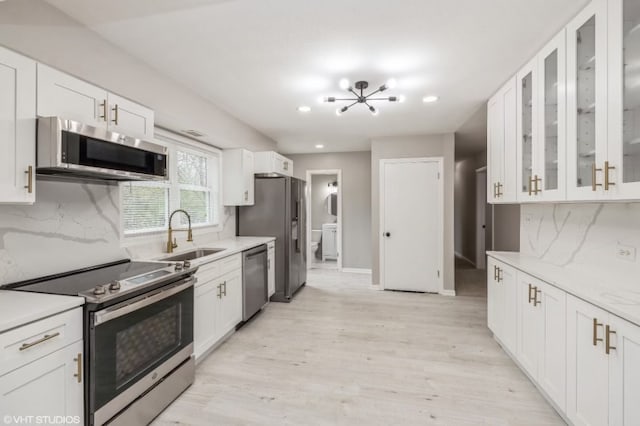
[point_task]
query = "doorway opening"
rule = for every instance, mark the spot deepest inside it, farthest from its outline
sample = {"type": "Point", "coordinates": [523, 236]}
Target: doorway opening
{"type": "Point", "coordinates": [324, 219]}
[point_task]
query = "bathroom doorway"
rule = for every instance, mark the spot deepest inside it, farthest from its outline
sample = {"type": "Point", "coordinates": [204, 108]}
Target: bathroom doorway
{"type": "Point", "coordinates": [324, 219]}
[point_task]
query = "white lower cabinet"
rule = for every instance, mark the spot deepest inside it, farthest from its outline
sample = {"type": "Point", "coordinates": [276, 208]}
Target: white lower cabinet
{"type": "Point", "coordinates": [583, 358]}
{"type": "Point", "coordinates": [624, 372]}
{"type": "Point", "coordinates": [501, 314]}
{"type": "Point", "coordinates": [218, 302]}
{"type": "Point", "coordinates": [49, 386]}
{"type": "Point", "coordinates": [271, 268]}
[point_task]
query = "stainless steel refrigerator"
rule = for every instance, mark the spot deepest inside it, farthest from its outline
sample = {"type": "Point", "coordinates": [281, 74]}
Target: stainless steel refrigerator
{"type": "Point", "coordinates": [279, 211]}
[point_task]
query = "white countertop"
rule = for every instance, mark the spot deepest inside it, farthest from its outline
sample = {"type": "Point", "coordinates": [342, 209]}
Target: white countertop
{"type": "Point", "coordinates": [18, 308]}
{"type": "Point", "coordinates": [230, 245]}
{"type": "Point", "coordinates": [620, 296]}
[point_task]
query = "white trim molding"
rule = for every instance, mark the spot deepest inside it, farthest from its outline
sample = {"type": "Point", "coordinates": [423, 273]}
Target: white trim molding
{"type": "Point", "coordinates": [356, 270]}
{"type": "Point", "coordinates": [448, 293]}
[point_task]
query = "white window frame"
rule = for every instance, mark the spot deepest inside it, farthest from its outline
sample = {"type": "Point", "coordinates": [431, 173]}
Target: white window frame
{"type": "Point", "coordinates": [174, 143]}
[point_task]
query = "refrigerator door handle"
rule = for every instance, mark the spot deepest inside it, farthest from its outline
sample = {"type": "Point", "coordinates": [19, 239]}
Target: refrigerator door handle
{"type": "Point", "coordinates": [298, 226]}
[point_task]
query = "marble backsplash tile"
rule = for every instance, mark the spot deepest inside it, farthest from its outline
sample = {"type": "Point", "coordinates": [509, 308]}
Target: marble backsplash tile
{"type": "Point", "coordinates": [75, 225]}
{"type": "Point", "coordinates": [587, 236]}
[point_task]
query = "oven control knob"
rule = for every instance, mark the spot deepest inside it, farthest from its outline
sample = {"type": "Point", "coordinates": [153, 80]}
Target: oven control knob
{"type": "Point", "coordinates": [100, 290]}
{"type": "Point", "coordinates": [178, 266]}
{"type": "Point", "coordinates": [187, 264]}
{"type": "Point", "coordinates": [114, 286]}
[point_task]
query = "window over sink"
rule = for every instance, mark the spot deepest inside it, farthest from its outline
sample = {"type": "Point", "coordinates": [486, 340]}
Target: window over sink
{"type": "Point", "coordinates": [194, 186]}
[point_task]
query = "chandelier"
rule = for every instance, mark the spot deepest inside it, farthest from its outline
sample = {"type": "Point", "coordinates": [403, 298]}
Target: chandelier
{"type": "Point", "coordinates": [361, 98]}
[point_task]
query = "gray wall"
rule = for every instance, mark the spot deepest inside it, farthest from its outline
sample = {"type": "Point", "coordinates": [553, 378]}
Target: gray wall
{"type": "Point", "coordinates": [356, 200]}
{"type": "Point", "coordinates": [465, 205]}
{"type": "Point", "coordinates": [319, 203]}
{"type": "Point", "coordinates": [407, 147]}
{"type": "Point", "coordinates": [39, 30]}
{"type": "Point", "coordinates": [506, 227]}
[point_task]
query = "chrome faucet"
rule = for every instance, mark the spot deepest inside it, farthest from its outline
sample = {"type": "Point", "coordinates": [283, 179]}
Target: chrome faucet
{"type": "Point", "coordinates": [173, 244]}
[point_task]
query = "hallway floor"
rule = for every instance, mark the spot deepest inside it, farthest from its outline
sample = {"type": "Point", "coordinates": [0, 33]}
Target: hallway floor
{"type": "Point", "coordinates": [344, 354]}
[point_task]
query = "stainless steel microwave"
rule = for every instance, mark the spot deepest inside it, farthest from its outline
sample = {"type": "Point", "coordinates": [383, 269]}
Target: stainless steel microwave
{"type": "Point", "coordinates": [71, 149]}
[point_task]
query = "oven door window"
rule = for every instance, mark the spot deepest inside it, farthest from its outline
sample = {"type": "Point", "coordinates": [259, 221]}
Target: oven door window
{"type": "Point", "coordinates": [85, 151]}
{"type": "Point", "coordinates": [129, 347]}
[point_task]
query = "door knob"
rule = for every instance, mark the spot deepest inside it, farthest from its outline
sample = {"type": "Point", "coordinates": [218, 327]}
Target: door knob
{"type": "Point", "coordinates": [387, 234]}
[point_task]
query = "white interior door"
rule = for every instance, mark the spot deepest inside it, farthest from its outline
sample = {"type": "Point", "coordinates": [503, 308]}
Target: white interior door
{"type": "Point", "coordinates": [411, 224]}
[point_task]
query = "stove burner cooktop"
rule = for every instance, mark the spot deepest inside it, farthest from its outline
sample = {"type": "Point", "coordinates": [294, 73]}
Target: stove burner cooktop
{"type": "Point", "coordinates": [104, 282]}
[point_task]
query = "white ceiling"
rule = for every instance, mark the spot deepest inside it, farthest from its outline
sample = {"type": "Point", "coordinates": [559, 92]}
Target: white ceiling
{"type": "Point", "coordinates": [261, 59]}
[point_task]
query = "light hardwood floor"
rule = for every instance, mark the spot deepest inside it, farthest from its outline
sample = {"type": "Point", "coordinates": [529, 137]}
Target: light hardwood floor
{"type": "Point", "coordinates": [343, 354]}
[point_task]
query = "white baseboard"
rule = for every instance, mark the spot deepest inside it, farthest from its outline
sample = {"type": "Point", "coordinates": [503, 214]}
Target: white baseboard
{"type": "Point", "coordinates": [356, 270]}
{"type": "Point", "coordinates": [451, 293]}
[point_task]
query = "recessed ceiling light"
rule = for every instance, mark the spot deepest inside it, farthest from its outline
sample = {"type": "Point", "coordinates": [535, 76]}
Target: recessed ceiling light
{"type": "Point", "coordinates": [429, 99]}
{"type": "Point", "coordinates": [319, 146]}
{"type": "Point", "coordinates": [304, 108]}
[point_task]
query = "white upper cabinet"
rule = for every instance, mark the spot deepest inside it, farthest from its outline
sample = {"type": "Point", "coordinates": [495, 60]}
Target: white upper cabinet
{"type": "Point", "coordinates": [130, 118]}
{"type": "Point", "coordinates": [65, 96]}
{"type": "Point", "coordinates": [62, 95]}
{"type": "Point", "coordinates": [541, 129]}
{"type": "Point", "coordinates": [527, 131]}
{"type": "Point", "coordinates": [501, 145]}
{"type": "Point", "coordinates": [237, 179]}
{"type": "Point", "coordinates": [623, 149]}
{"type": "Point", "coordinates": [17, 128]}
{"type": "Point", "coordinates": [587, 103]}
{"type": "Point", "coordinates": [271, 162]}
{"type": "Point", "coordinates": [551, 149]}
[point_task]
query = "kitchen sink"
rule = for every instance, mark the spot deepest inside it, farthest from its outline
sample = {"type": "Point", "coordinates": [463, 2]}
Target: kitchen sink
{"type": "Point", "coordinates": [194, 254]}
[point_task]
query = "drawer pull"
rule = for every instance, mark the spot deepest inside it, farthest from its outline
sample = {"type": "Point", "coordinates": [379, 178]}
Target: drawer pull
{"type": "Point", "coordinates": [596, 339]}
{"type": "Point", "coordinates": [37, 342]}
{"type": "Point", "coordinates": [78, 373]}
{"type": "Point", "coordinates": [219, 294]}
{"type": "Point", "coordinates": [531, 298]}
{"type": "Point", "coordinates": [537, 302]}
{"type": "Point", "coordinates": [607, 343]}
{"type": "Point", "coordinates": [224, 286]}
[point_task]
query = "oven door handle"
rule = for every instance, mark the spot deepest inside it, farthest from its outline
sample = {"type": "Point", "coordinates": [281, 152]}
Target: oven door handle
{"type": "Point", "coordinates": [117, 311]}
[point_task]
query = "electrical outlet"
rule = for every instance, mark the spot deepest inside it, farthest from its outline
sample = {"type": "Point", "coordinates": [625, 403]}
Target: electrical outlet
{"type": "Point", "coordinates": [627, 253]}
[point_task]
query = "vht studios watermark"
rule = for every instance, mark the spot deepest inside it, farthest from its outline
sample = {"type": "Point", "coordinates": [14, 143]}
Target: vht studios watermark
{"type": "Point", "coordinates": [41, 420]}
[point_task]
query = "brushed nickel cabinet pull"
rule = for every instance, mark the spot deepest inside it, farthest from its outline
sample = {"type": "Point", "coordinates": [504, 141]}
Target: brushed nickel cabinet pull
{"type": "Point", "coordinates": [115, 115]}
{"type": "Point", "coordinates": [530, 297]}
{"type": "Point", "coordinates": [78, 373]}
{"type": "Point", "coordinates": [29, 185]}
{"type": "Point", "coordinates": [103, 105]}
{"type": "Point", "coordinates": [37, 342]}
{"type": "Point", "coordinates": [607, 178]}
{"type": "Point", "coordinates": [596, 339]}
{"type": "Point", "coordinates": [607, 344]}
{"type": "Point", "coordinates": [500, 194]}
{"type": "Point", "coordinates": [224, 286]}
{"type": "Point", "coordinates": [594, 184]}
{"type": "Point", "coordinates": [500, 275]}
{"type": "Point", "coordinates": [495, 190]}
{"type": "Point", "coordinates": [219, 294]}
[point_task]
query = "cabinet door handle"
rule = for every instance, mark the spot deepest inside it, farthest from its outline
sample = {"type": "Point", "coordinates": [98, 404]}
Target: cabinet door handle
{"type": "Point", "coordinates": [596, 339]}
{"type": "Point", "coordinates": [537, 302]}
{"type": "Point", "coordinates": [530, 297]}
{"type": "Point", "coordinates": [29, 185]}
{"type": "Point", "coordinates": [224, 288]}
{"type": "Point", "coordinates": [37, 342]}
{"type": "Point", "coordinates": [246, 195]}
{"type": "Point", "coordinates": [103, 105]}
{"type": "Point", "coordinates": [78, 373]}
{"type": "Point", "coordinates": [219, 294]}
{"type": "Point", "coordinates": [607, 178]}
{"type": "Point", "coordinates": [594, 184]}
{"type": "Point", "coordinates": [537, 180]}
{"type": "Point", "coordinates": [115, 115]}
{"type": "Point", "coordinates": [607, 344]}
{"type": "Point", "coordinates": [500, 194]}
{"type": "Point", "coordinates": [495, 191]}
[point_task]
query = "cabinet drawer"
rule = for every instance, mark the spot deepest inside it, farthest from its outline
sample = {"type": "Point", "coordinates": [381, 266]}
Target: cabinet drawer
{"type": "Point", "coordinates": [207, 273]}
{"type": "Point", "coordinates": [230, 264]}
{"type": "Point", "coordinates": [33, 341]}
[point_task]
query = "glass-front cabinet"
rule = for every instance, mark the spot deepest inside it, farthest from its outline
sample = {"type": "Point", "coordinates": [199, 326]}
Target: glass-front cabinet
{"type": "Point", "coordinates": [622, 170]}
{"type": "Point", "coordinates": [551, 154]}
{"type": "Point", "coordinates": [541, 129]}
{"type": "Point", "coordinates": [527, 132]}
{"type": "Point", "coordinates": [587, 102]}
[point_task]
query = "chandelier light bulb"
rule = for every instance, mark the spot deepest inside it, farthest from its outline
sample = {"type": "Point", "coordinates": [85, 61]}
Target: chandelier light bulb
{"type": "Point", "coordinates": [344, 84]}
{"type": "Point", "coordinates": [429, 99]}
{"type": "Point", "coordinates": [339, 112]}
{"type": "Point", "coordinates": [402, 98]}
{"type": "Point", "coordinates": [373, 110]}
{"type": "Point", "coordinates": [391, 83]}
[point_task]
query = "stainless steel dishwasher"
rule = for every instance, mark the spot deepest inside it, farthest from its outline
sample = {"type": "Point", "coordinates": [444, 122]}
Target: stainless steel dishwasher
{"type": "Point", "coordinates": [254, 281]}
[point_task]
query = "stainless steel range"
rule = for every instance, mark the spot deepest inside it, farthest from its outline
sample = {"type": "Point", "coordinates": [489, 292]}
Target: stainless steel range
{"type": "Point", "coordinates": [138, 336]}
